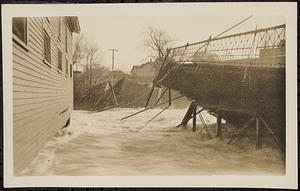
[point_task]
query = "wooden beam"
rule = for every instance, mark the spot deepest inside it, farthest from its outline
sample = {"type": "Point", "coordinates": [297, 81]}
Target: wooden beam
{"type": "Point", "coordinates": [176, 98]}
{"type": "Point", "coordinates": [222, 108]}
{"type": "Point", "coordinates": [114, 95]}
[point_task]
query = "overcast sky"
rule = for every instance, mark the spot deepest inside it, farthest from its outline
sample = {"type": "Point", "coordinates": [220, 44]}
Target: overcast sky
{"type": "Point", "coordinates": [126, 33]}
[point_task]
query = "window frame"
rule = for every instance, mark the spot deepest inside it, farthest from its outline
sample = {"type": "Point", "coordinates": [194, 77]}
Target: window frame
{"type": "Point", "coordinates": [71, 70]}
{"type": "Point", "coordinates": [66, 35]}
{"type": "Point", "coordinates": [60, 70]}
{"type": "Point", "coordinates": [15, 38]}
{"type": "Point", "coordinates": [67, 69]}
{"type": "Point", "coordinates": [59, 29]}
{"type": "Point", "coordinates": [44, 59]}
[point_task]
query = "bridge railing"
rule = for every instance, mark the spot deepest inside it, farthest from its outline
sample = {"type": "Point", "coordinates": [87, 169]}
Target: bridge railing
{"type": "Point", "coordinates": [266, 43]}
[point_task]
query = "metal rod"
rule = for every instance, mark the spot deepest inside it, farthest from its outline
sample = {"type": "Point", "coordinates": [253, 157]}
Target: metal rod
{"type": "Point", "coordinates": [151, 107]}
{"type": "Point", "coordinates": [210, 39]}
{"type": "Point", "coordinates": [104, 109]}
{"type": "Point", "coordinates": [242, 129]}
{"type": "Point", "coordinates": [233, 35]}
{"type": "Point", "coordinates": [157, 114]}
{"type": "Point", "coordinates": [271, 131]}
{"type": "Point", "coordinates": [154, 82]}
{"type": "Point", "coordinates": [204, 125]}
{"type": "Point", "coordinates": [184, 120]}
{"type": "Point", "coordinates": [160, 96]}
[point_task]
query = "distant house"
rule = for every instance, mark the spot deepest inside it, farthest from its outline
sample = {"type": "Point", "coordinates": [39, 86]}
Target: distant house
{"type": "Point", "coordinates": [205, 56]}
{"type": "Point", "coordinates": [42, 82]}
{"type": "Point", "coordinates": [146, 72]}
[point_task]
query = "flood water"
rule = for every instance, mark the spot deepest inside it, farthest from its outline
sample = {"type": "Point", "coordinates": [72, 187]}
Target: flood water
{"type": "Point", "coordinates": [102, 144]}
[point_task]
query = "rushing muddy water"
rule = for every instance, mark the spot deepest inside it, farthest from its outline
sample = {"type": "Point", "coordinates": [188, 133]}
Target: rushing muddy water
{"type": "Point", "coordinates": [102, 144]}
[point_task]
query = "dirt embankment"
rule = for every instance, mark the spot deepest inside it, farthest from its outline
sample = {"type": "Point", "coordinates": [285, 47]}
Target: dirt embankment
{"type": "Point", "coordinates": [128, 93]}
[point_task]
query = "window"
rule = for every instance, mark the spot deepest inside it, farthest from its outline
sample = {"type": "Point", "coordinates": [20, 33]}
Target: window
{"type": "Point", "coordinates": [67, 67]}
{"type": "Point", "coordinates": [71, 71]}
{"type": "Point", "coordinates": [19, 25]}
{"type": "Point", "coordinates": [59, 27]}
{"type": "Point", "coordinates": [47, 48]}
{"type": "Point", "coordinates": [59, 59]}
{"type": "Point", "coordinates": [66, 37]}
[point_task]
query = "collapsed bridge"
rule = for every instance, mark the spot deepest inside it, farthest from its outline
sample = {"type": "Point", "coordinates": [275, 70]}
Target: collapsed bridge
{"type": "Point", "coordinates": [239, 77]}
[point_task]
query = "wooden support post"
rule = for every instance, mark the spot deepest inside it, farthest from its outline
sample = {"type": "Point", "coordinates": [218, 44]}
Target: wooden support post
{"type": "Point", "coordinates": [194, 118]}
{"type": "Point", "coordinates": [170, 97]}
{"type": "Point", "coordinates": [219, 125]}
{"type": "Point", "coordinates": [113, 93]}
{"type": "Point", "coordinates": [258, 134]}
{"type": "Point", "coordinates": [188, 115]}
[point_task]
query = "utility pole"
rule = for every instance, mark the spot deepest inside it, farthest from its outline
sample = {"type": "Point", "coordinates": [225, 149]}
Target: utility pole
{"type": "Point", "coordinates": [113, 63]}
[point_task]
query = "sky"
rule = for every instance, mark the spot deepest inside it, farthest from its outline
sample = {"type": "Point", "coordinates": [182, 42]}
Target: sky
{"type": "Point", "coordinates": [127, 33]}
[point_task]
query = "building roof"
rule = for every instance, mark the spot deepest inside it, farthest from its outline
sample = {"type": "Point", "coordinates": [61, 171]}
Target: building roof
{"type": "Point", "coordinates": [74, 24]}
{"type": "Point", "coordinates": [142, 65]}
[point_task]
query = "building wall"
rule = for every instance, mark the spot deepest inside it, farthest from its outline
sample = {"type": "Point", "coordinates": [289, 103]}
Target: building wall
{"type": "Point", "coordinates": [42, 94]}
{"type": "Point", "coordinates": [146, 70]}
{"type": "Point", "coordinates": [145, 73]}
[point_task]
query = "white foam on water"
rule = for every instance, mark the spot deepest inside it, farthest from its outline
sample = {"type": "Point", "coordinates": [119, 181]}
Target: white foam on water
{"type": "Point", "coordinates": [102, 144]}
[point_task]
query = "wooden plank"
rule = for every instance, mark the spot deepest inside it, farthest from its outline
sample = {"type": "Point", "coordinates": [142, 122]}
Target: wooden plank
{"type": "Point", "coordinates": [40, 94]}
{"type": "Point", "coordinates": [26, 78]}
{"type": "Point", "coordinates": [22, 65]}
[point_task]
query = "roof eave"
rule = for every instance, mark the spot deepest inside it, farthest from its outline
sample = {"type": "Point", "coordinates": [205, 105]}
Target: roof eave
{"type": "Point", "coordinates": [74, 23]}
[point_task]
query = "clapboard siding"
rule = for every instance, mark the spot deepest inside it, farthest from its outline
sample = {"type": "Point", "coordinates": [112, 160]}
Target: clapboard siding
{"type": "Point", "coordinates": [24, 118]}
{"type": "Point", "coordinates": [42, 95]}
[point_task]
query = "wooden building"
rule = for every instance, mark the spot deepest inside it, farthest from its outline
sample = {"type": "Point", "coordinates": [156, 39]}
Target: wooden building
{"type": "Point", "coordinates": [145, 73]}
{"type": "Point", "coordinates": [42, 82]}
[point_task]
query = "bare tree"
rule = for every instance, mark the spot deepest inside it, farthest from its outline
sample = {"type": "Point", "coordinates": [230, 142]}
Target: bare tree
{"type": "Point", "coordinates": [93, 60]}
{"type": "Point", "coordinates": [79, 49]}
{"type": "Point", "coordinates": [157, 41]}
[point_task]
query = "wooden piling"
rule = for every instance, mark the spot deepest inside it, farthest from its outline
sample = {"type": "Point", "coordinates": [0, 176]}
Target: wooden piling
{"type": "Point", "coordinates": [170, 97]}
{"type": "Point", "coordinates": [194, 118]}
{"type": "Point", "coordinates": [219, 125]}
{"type": "Point", "coordinates": [258, 134]}
{"type": "Point", "coordinates": [187, 117]}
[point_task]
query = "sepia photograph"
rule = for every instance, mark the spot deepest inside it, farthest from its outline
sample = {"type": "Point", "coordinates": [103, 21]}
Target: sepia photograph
{"type": "Point", "coordinates": [174, 93]}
